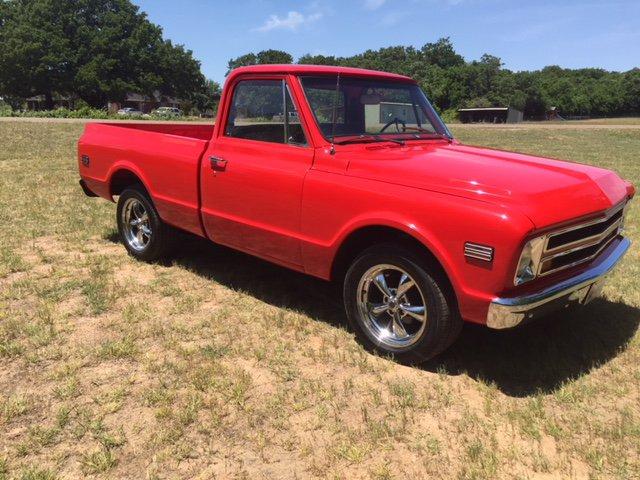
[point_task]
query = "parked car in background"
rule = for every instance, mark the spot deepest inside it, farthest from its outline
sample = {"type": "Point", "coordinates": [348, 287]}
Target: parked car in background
{"type": "Point", "coordinates": [293, 117]}
{"type": "Point", "coordinates": [421, 231]}
{"type": "Point", "coordinates": [129, 112]}
{"type": "Point", "coordinates": [167, 112]}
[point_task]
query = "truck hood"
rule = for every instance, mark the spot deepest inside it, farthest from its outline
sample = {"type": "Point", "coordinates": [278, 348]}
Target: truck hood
{"type": "Point", "coordinates": [547, 191]}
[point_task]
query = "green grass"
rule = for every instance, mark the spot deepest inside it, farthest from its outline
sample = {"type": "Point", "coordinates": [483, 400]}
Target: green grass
{"type": "Point", "coordinates": [220, 365]}
{"type": "Point", "coordinates": [607, 121]}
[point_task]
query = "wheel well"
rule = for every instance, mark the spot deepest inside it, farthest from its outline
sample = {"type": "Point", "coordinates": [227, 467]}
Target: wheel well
{"type": "Point", "coordinates": [123, 179]}
{"type": "Point", "coordinates": [367, 237]}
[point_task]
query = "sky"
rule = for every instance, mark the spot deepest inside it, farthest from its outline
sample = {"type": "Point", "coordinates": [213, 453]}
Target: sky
{"type": "Point", "coordinates": [526, 35]}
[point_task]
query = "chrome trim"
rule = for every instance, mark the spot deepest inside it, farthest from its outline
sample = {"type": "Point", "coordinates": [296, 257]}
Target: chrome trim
{"type": "Point", "coordinates": [606, 215]}
{"type": "Point", "coordinates": [136, 225]}
{"type": "Point", "coordinates": [577, 262]}
{"type": "Point", "coordinates": [477, 251]}
{"type": "Point", "coordinates": [625, 210]}
{"type": "Point", "coordinates": [536, 245]}
{"type": "Point", "coordinates": [509, 312]}
{"type": "Point", "coordinates": [583, 242]}
{"type": "Point", "coordinates": [392, 306]}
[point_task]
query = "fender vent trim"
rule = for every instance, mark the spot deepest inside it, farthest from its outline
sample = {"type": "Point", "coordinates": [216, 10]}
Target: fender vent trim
{"type": "Point", "coordinates": [478, 251]}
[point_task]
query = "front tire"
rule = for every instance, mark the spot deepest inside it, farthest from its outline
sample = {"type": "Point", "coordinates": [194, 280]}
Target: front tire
{"type": "Point", "coordinates": [399, 304]}
{"type": "Point", "coordinates": [142, 232]}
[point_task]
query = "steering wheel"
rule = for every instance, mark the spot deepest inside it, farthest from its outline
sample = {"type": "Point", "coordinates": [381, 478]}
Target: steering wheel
{"type": "Point", "coordinates": [397, 122]}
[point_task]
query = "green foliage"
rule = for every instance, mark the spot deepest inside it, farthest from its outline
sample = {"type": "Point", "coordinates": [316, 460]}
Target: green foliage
{"type": "Point", "coordinates": [260, 58]}
{"type": "Point", "coordinates": [96, 49]}
{"type": "Point", "coordinates": [206, 100]}
{"type": "Point", "coordinates": [450, 116]}
{"type": "Point", "coordinates": [84, 112]}
{"type": "Point", "coordinates": [452, 83]}
{"type": "Point", "coordinates": [99, 50]}
{"type": "Point", "coordinates": [5, 109]}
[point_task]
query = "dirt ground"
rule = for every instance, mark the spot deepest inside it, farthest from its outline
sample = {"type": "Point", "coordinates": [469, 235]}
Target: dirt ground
{"type": "Point", "coordinates": [218, 365]}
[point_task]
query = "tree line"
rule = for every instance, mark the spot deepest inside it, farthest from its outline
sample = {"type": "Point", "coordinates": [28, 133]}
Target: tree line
{"type": "Point", "coordinates": [451, 82]}
{"type": "Point", "coordinates": [93, 50]}
{"type": "Point", "coordinates": [101, 50]}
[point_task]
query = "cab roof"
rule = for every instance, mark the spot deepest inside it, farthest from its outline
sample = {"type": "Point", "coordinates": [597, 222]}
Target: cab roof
{"type": "Point", "coordinates": [296, 69]}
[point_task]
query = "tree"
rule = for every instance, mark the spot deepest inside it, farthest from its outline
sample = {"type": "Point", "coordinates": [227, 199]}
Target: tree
{"type": "Point", "coordinates": [261, 58]}
{"type": "Point", "coordinates": [441, 53]}
{"type": "Point", "coordinates": [631, 82]}
{"type": "Point", "coordinates": [274, 56]}
{"type": "Point", "coordinates": [242, 61]}
{"type": "Point", "coordinates": [96, 49]}
{"type": "Point", "coordinates": [101, 49]}
{"type": "Point", "coordinates": [309, 59]}
{"type": "Point", "coordinates": [207, 100]}
{"type": "Point", "coordinates": [36, 57]}
{"type": "Point", "coordinates": [451, 82]}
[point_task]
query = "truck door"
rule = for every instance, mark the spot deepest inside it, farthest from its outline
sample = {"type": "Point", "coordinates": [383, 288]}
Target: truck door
{"type": "Point", "coordinates": [253, 171]}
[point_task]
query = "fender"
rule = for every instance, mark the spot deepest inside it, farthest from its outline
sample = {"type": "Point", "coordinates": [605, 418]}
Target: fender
{"type": "Point", "coordinates": [170, 210]}
{"type": "Point", "coordinates": [380, 219]}
{"type": "Point", "coordinates": [127, 165]}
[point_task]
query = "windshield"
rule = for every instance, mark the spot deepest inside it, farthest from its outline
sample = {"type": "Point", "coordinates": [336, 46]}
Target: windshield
{"type": "Point", "coordinates": [370, 109]}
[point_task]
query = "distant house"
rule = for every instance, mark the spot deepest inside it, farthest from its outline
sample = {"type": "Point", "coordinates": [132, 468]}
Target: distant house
{"type": "Point", "coordinates": [490, 115]}
{"type": "Point", "coordinates": [39, 102]}
{"type": "Point", "coordinates": [138, 101]}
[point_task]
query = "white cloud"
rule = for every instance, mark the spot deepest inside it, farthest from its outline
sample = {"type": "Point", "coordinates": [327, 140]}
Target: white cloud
{"type": "Point", "coordinates": [373, 4]}
{"type": "Point", "coordinates": [292, 21]}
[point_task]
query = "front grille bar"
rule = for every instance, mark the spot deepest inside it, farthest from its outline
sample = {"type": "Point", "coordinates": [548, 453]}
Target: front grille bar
{"type": "Point", "coordinates": [611, 222]}
{"type": "Point", "coordinates": [553, 244]}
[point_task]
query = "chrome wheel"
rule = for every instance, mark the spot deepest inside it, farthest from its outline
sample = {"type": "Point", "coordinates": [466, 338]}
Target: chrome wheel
{"type": "Point", "coordinates": [391, 306]}
{"type": "Point", "coordinates": [136, 225]}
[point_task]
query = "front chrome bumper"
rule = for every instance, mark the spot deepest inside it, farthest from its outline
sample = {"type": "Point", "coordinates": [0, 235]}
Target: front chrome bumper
{"type": "Point", "coordinates": [509, 312]}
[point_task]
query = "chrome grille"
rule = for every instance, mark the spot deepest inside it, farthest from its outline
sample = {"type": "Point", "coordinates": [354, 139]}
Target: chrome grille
{"type": "Point", "coordinates": [580, 243]}
{"type": "Point", "coordinates": [477, 251]}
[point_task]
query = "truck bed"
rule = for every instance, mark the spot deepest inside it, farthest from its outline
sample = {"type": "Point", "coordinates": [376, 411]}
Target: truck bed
{"type": "Point", "coordinates": [165, 156]}
{"type": "Point", "coordinates": [198, 131]}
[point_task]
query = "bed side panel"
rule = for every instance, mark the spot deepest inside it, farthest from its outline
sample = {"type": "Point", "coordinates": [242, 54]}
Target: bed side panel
{"type": "Point", "coordinates": [167, 165]}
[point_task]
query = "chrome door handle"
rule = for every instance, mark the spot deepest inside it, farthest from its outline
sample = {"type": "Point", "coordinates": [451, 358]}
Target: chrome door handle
{"type": "Point", "coordinates": [218, 164]}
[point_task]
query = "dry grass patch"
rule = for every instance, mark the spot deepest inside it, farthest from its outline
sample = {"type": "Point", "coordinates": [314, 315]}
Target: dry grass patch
{"type": "Point", "coordinates": [218, 365]}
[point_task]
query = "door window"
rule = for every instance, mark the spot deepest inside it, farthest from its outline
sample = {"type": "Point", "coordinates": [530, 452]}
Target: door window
{"type": "Point", "coordinates": [263, 110]}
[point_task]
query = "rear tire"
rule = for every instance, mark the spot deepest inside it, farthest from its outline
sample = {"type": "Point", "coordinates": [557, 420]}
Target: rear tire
{"type": "Point", "coordinates": [399, 304]}
{"type": "Point", "coordinates": [144, 235]}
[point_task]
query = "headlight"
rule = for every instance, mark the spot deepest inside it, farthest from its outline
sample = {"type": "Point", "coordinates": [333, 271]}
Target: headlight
{"type": "Point", "coordinates": [529, 261]}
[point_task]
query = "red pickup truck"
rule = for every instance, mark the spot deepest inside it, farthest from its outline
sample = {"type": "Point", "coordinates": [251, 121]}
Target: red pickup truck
{"type": "Point", "coordinates": [350, 175]}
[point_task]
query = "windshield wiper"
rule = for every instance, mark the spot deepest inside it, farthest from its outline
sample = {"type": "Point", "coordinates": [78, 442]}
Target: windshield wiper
{"type": "Point", "coordinates": [370, 139]}
{"type": "Point", "coordinates": [424, 131]}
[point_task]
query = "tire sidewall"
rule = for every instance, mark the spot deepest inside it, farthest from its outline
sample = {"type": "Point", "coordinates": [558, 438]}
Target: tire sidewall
{"type": "Point", "coordinates": [426, 346]}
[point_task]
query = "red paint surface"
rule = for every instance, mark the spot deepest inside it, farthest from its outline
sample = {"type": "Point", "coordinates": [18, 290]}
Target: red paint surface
{"type": "Point", "coordinates": [296, 205]}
